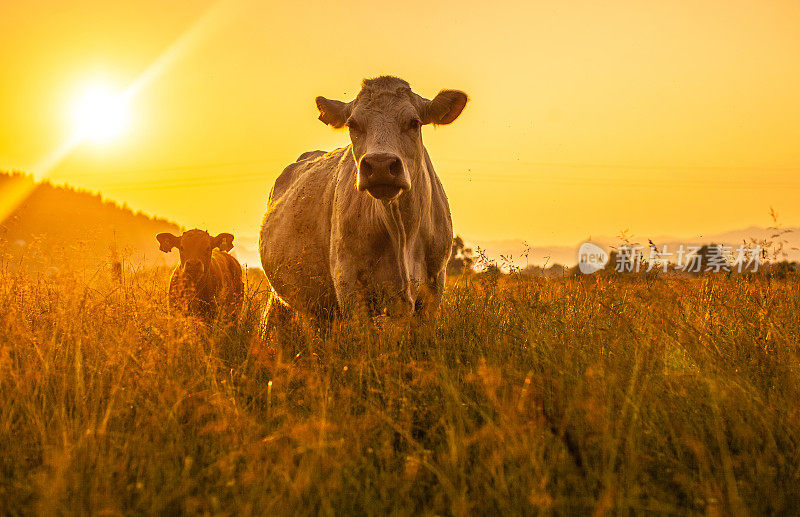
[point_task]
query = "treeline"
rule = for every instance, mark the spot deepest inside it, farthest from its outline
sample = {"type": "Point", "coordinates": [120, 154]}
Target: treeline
{"type": "Point", "coordinates": [50, 224]}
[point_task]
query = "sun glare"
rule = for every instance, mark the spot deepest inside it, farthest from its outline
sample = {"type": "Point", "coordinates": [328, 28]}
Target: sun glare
{"type": "Point", "coordinates": [99, 114]}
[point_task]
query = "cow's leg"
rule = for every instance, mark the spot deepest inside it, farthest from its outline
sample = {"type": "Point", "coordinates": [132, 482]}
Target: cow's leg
{"type": "Point", "coordinates": [400, 307]}
{"type": "Point", "coordinates": [363, 300]}
{"type": "Point", "coordinates": [276, 316]}
{"type": "Point", "coordinates": [353, 300]}
{"type": "Point", "coordinates": [429, 298]}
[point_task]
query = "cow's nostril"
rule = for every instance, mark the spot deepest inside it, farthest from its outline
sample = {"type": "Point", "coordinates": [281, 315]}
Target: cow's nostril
{"type": "Point", "coordinates": [366, 168]}
{"type": "Point", "coordinates": [396, 167]}
{"type": "Point", "coordinates": [382, 164]}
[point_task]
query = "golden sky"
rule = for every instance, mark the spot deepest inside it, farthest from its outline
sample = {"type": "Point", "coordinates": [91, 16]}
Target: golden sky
{"type": "Point", "coordinates": [585, 118]}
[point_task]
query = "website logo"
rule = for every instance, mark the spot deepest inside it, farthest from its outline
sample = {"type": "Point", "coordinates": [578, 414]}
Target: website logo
{"type": "Point", "coordinates": [591, 258]}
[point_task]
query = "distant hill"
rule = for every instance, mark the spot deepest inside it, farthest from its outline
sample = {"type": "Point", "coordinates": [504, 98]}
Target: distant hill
{"type": "Point", "coordinates": [55, 223]}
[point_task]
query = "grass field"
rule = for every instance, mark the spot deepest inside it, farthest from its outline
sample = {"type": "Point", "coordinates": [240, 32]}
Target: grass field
{"type": "Point", "coordinates": [604, 395]}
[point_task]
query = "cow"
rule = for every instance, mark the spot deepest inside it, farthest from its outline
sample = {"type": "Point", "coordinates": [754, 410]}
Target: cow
{"type": "Point", "coordinates": [365, 229]}
{"type": "Point", "coordinates": [207, 280]}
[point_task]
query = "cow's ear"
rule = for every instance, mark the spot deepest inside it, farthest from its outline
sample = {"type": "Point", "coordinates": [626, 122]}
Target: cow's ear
{"type": "Point", "coordinates": [168, 241]}
{"type": "Point", "coordinates": [223, 241]}
{"type": "Point", "coordinates": [333, 113]}
{"type": "Point", "coordinates": [444, 108]}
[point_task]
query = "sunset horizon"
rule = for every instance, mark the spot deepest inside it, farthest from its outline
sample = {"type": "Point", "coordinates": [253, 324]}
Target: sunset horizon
{"type": "Point", "coordinates": [675, 120]}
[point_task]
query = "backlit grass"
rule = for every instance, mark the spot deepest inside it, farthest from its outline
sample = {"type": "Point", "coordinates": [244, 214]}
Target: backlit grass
{"type": "Point", "coordinates": [605, 394]}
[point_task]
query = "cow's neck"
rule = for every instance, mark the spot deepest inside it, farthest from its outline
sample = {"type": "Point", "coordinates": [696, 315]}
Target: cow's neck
{"type": "Point", "coordinates": [200, 286]}
{"type": "Point", "coordinates": [392, 218]}
{"type": "Point", "coordinates": [402, 220]}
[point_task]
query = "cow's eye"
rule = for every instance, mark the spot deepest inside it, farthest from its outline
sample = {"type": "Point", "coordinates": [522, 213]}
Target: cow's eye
{"type": "Point", "coordinates": [414, 124]}
{"type": "Point", "coordinates": [353, 125]}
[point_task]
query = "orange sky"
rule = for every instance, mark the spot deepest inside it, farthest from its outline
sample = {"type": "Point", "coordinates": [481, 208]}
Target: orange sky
{"type": "Point", "coordinates": [585, 118]}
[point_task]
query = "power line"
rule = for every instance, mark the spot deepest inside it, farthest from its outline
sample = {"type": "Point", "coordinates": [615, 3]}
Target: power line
{"type": "Point", "coordinates": [462, 176]}
{"type": "Point", "coordinates": [721, 168]}
{"type": "Point", "coordinates": [123, 172]}
{"type": "Point", "coordinates": [504, 178]}
{"type": "Point", "coordinates": [501, 177]}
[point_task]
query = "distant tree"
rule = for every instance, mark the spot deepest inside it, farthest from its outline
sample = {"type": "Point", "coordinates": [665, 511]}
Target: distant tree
{"type": "Point", "coordinates": [780, 270]}
{"type": "Point", "coordinates": [553, 271]}
{"type": "Point", "coordinates": [492, 270]}
{"type": "Point", "coordinates": [557, 271]}
{"type": "Point", "coordinates": [461, 258]}
{"type": "Point", "coordinates": [532, 270]}
{"type": "Point", "coordinates": [711, 258]}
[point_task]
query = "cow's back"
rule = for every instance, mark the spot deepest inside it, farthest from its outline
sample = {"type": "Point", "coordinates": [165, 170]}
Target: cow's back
{"type": "Point", "coordinates": [294, 242]}
{"type": "Point", "coordinates": [291, 173]}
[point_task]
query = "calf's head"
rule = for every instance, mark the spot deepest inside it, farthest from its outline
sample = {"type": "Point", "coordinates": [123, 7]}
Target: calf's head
{"type": "Point", "coordinates": [195, 247]}
{"type": "Point", "coordinates": [384, 122]}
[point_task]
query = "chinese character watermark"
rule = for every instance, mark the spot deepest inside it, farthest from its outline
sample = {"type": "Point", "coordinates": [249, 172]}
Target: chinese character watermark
{"type": "Point", "coordinates": [633, 258]}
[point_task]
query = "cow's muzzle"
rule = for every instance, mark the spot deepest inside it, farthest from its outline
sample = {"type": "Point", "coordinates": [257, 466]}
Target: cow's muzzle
{"type": "Point", "coordinates": [193, 268]}
{"type": "Point", "coordinates": [383, 176]}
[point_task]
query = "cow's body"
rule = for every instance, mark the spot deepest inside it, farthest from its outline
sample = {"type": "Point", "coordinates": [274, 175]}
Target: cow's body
{"type": "Point", "coordinates": [328, 248]}
{"type": "Point", "coordinates": [339, 250]}
{"type": "Point", "coordinates": [208, 281]}
{"type": "Point", "coordinates": [221, 290]}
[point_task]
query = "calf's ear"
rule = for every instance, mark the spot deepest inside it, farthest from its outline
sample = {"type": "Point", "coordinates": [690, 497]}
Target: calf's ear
{"type": "Point", "coordinates": [333, 113]}
{"type": "Point", "coordinates": [168, 241]}
{"type": "Point", "coordinates": [444, 108]}
{"type": "Point", "coordinates": [223, 241]}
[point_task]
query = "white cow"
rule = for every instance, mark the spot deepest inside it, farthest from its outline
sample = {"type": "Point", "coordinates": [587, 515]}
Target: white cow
{"type": "Point", "coordinates": [366, 228]}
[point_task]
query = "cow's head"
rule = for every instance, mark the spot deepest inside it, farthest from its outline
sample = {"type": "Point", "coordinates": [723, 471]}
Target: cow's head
{"type": "Point", "coordinates": [384, 122]}
{"type": "Point", "coordinates": [195, 247]}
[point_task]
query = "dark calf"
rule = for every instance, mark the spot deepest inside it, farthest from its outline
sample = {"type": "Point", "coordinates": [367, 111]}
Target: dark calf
{"type": "Point", "coordinates": [207, 279]}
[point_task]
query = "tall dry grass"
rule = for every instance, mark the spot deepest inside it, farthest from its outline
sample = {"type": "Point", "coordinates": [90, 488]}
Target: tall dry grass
{"type": "Point", "coordinates": [568, 396]}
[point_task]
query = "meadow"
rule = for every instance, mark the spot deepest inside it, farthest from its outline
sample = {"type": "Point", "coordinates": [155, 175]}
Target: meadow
{"type": "Point", "coordinates": [605, 394]}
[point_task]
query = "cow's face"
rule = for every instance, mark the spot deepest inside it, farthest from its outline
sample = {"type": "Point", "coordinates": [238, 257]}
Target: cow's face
{"type": "Point", "coordinates": [385, 122]}
{"type": "Point", "coordinates": [195, 247]}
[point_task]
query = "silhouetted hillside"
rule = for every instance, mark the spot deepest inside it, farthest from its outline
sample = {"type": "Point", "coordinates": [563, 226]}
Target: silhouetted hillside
{"type": "Point", "coordinates": [54, 223]}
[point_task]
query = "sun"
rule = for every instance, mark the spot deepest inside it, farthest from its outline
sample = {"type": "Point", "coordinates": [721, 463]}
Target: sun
{"type": "Point", "coordinates": [99, 114]}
